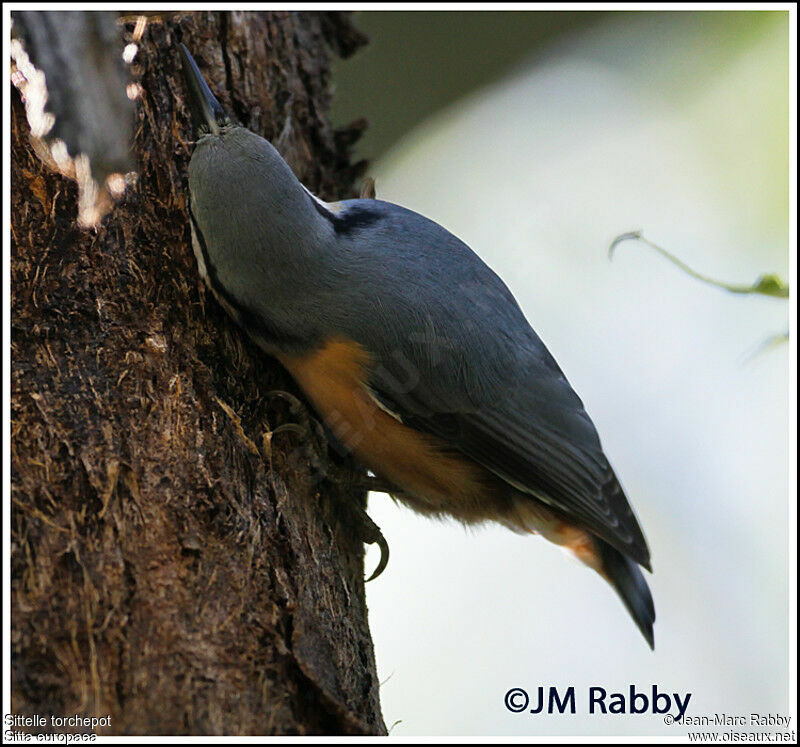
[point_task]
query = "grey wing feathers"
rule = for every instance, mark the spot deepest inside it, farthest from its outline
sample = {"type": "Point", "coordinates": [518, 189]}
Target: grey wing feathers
{"type": "Point", "coordinates": [558, 463]}
{"type": "Point", "coordinates": [483, 380]}
{"type": "Point", "coordinates": [549, 466]}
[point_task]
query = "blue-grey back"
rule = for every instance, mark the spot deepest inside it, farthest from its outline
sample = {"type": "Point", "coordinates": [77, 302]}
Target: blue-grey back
{"type": "Point", "coordinates": [419, 295]}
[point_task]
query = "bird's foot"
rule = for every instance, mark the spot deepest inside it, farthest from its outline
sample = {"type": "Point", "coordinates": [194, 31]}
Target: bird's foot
{"type": "Point", "coordinates": [313, 441]}
{"type": "Point", "coordinates": [315, 438]}
{"type": "Point", "coordinates": [370, 532]}
{"type": "Point", "coordinates": [296, 406]}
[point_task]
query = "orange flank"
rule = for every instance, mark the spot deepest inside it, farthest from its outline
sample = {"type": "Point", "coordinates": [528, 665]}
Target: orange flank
{"type": "Point", "coordinates": [431, 476]}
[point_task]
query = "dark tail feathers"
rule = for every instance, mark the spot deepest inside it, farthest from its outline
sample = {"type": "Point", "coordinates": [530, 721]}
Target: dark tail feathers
{"type": "Point", "coordinates": [626, 577]}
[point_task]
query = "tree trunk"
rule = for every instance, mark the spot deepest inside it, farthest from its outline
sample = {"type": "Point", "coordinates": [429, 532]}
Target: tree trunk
{"type": "Point", "coordinates": [175, 566]}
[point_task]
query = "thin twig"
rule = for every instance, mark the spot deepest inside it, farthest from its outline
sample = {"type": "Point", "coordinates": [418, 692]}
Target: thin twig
{"type": "Point", "coordinates": [765, 285]}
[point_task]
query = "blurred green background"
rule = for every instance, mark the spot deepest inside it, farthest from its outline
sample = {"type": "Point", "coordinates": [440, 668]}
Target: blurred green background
{"type": "Point", "coordinates": [537, 138]}
{"type": "Point", "coordinates": [418, 62]}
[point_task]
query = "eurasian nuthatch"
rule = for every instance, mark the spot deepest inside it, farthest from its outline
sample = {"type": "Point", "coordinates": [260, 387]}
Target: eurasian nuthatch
{"type": "Point", "coordinates": [412, 351]}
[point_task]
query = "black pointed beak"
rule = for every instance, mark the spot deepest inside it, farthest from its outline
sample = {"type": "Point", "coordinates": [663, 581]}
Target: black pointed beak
{"type": "Point", "coordinates": [207, 113]}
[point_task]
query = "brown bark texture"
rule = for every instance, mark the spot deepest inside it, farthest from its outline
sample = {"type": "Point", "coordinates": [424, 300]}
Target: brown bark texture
{"type": "Point", "coordinates": [174, 564]}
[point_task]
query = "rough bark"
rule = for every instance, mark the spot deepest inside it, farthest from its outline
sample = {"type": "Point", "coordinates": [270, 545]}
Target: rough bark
{"type": "Point", "coordinates": [174, 565]}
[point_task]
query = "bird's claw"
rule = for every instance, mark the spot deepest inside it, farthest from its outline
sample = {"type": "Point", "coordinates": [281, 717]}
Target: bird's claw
{"type": "Point", "coordinates": [372, 535]}
{"type": "Point", "coordinates": [296, 407]}
{"type": "Point", "coordinates": [308, 429]}
{"type": "Point", "coordinates": [300, 430]}
{"type": "Point", "coordinates": [384, 561]}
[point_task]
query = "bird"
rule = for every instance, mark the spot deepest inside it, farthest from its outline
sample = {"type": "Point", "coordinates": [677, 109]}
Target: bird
{"type": "Point", "coordinates": [413, 352]}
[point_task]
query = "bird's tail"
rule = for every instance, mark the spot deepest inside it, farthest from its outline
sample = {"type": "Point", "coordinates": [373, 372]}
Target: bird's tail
{"type": "Point", "coordinates": [619, 570]}
{"type": "Point", "coordinates": [627, 578]}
